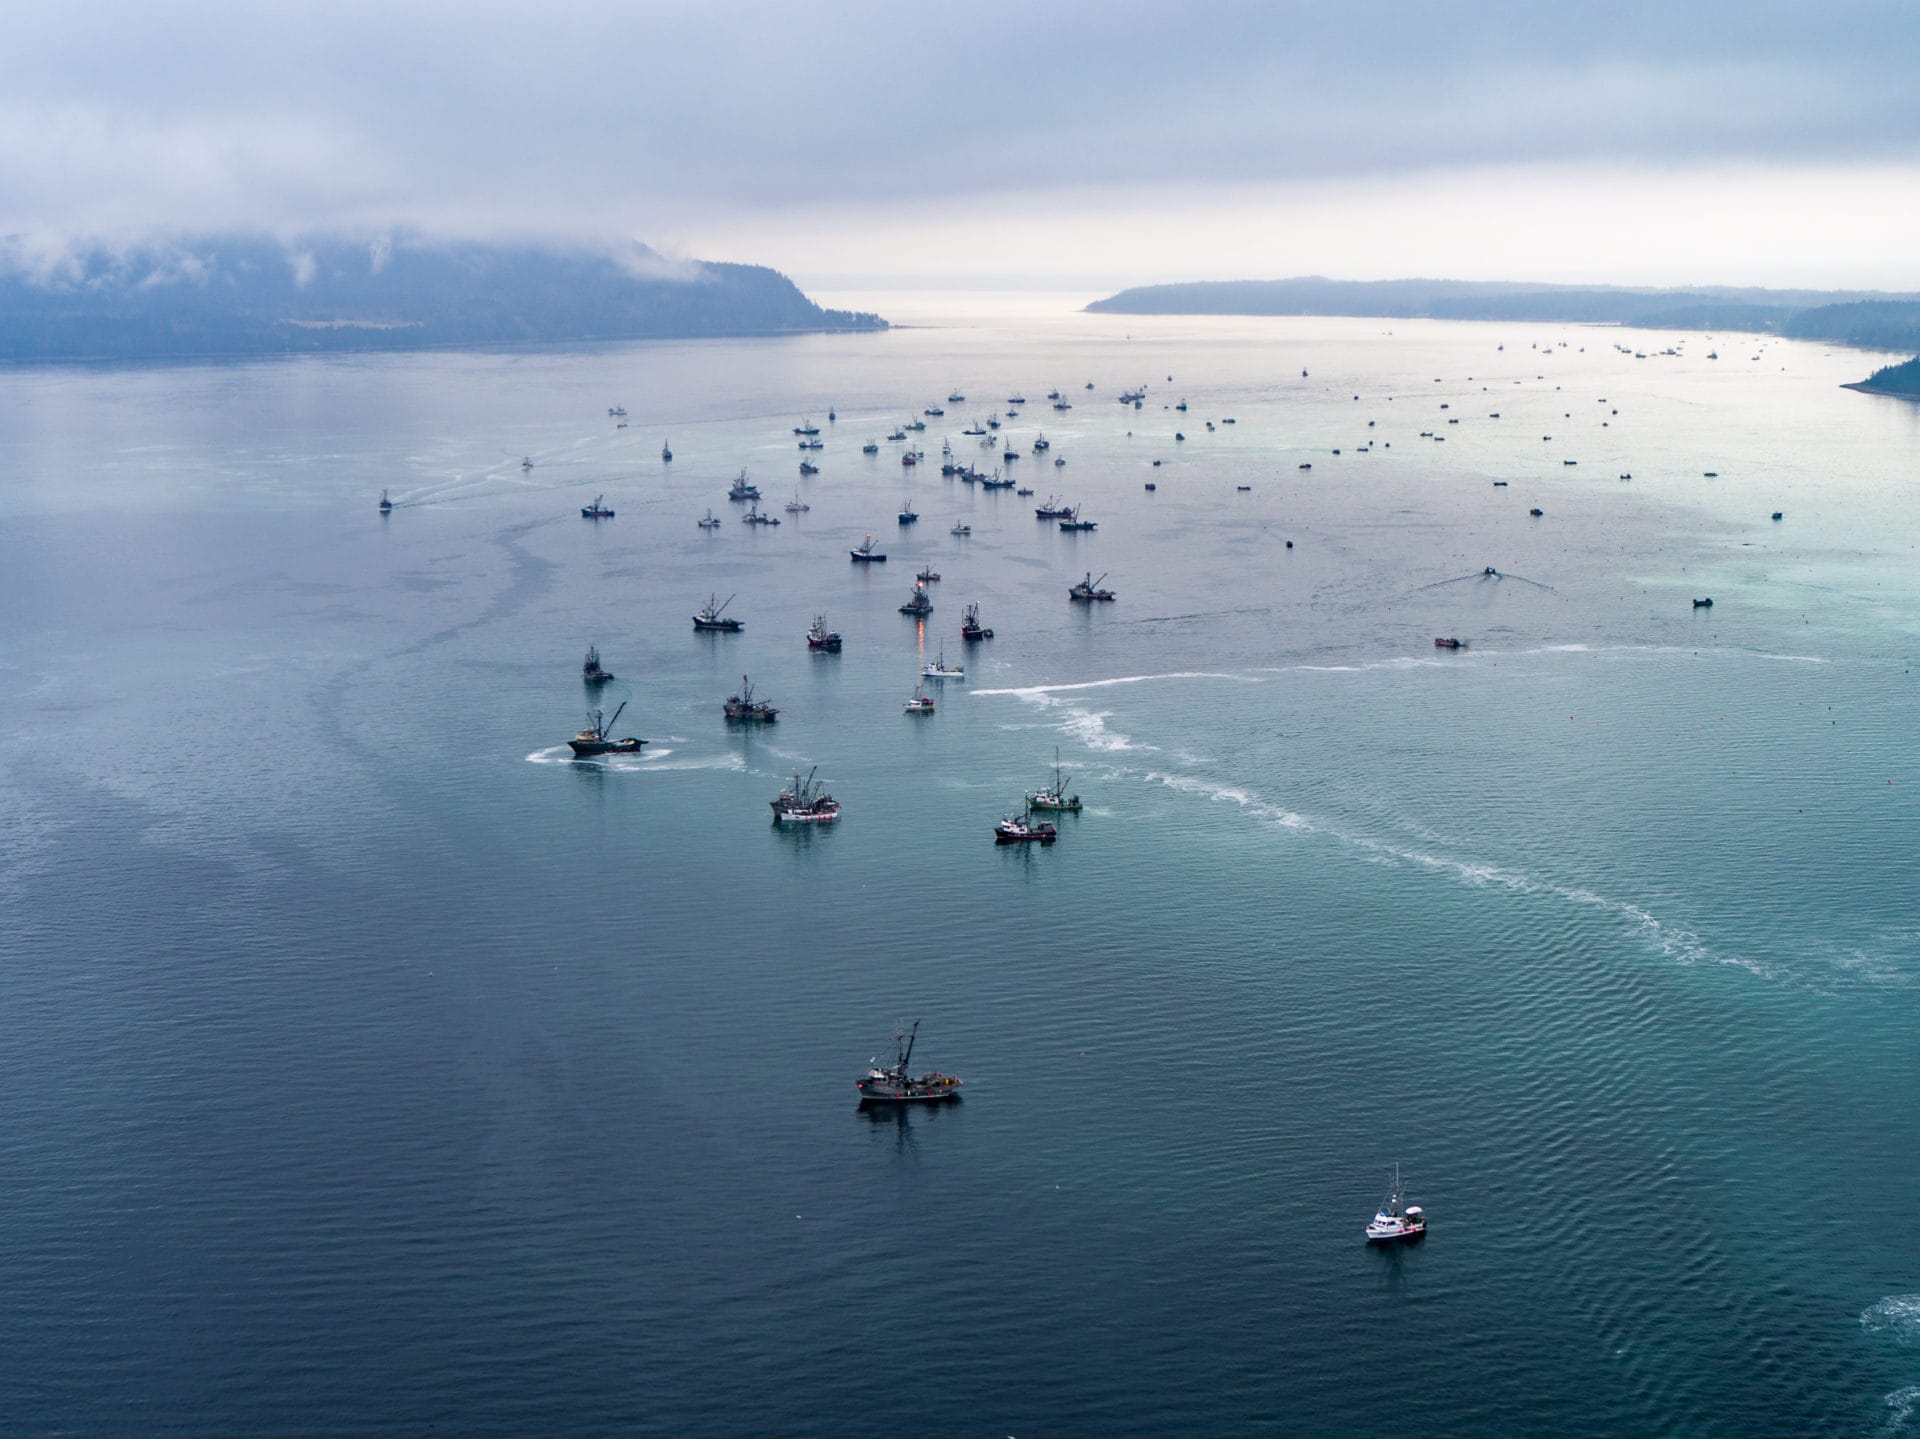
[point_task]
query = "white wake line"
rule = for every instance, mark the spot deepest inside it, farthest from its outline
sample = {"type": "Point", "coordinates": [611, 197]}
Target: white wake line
{"type": "Point", "coordinates": [1678, 944]}
{"type": "Point", "coordinates": [1031, 691]}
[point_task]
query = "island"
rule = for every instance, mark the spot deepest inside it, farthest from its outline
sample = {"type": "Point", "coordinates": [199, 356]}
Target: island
{"type": "Point", "coordinates": [1902, 380]}
{"type": "Point", "coordinates": [1870, 319]}
{"type": "Point", "coordinates": [242, 295]}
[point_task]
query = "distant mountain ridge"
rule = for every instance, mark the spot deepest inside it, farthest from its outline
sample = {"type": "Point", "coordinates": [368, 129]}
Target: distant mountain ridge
{"type": "Point", "coordinates": [1871, 319]}
{"type": "Point", "coordinates": [248, 295]}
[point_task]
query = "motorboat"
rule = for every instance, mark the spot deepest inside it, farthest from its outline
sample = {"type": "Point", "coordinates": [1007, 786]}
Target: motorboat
{"type": "Point", "coordinates": [711, 618]}
{"type": "Point", "coordinates": [920, 704]}
{"type": "Point", "coordinates": [596, 510]}
{"type": "Point", "coordinates": [865, 554]}
{"type": "Point", "coordinates": [1393, 1224]}
{"type": "Point", "coordinates": [1089, 589]}
{"type": "Point", "coordinates": [743, 708]}
{"type": "Point", "coordinates": [1448, 642]}
{"type": "Point", "coordinates": [821, 638]}
{"type": "Point", "coordinates": [938, 670]}
{"type": "Point", "coordinates": [742, 490]}
{"type": "Point", "coordinates": [711, 522]}
{"type": "Point", "coordinates": [805, 802]}
{"type": "Point", "coordinates": [597, 737]}
{"type": "Point", "coordinates": [892, 1084]}
{"type": "Point", "coordinates": [958, 530]}
{"type": "Point", "coordinates": [1018, 829]}
{"type": "Point", "coordinates": [386, 505]}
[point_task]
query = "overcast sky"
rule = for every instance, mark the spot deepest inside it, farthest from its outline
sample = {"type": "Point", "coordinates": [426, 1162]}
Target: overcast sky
{"type": "Point", "coordinates": [1079, 145]}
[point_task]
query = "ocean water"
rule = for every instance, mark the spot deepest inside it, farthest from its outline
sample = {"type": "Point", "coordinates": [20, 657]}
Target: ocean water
{"type": "Point", "coordinates": [368, 1066]}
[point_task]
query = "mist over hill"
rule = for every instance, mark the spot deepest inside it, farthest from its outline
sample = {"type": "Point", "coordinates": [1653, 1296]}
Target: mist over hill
{"type": "Point", "coordinates": [1867, 318]}
{"type": "Point", "coordinates": [250, 295]}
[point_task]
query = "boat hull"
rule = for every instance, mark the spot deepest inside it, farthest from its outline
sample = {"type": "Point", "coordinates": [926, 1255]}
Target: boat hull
{"type": "Point", "coordinates": [723, 626]}
{"type": "Point", "coordinates": [586, 748]}
{"type": "Point", "coordinates": [788, 816]}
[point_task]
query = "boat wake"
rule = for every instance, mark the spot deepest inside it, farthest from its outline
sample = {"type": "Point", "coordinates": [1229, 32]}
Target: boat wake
{"type": "Point", "coordinates": [1900, 1407]}
{"type": "Point", "coordinates": [647, 759]}
{"type": "Point", "coordinates": [1665, 939]}
{"type": "Point", "coordinates": [1897, 1317]}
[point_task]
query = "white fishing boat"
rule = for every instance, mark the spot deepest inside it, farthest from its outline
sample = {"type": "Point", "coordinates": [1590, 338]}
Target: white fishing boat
{"type": "Point", "coordinates": [1394, 1223]}
{"type": "Point", "coordinates": [937, 669]}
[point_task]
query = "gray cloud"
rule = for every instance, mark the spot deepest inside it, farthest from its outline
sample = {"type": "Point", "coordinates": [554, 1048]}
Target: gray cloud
{"type": "Point", "coordinates": [620, 119]}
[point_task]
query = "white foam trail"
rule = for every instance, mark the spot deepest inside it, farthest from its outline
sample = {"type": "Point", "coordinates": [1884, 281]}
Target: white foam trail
{"type": "Point", "coordinates": [1031, 691]}
{"type": "Point", "coordinates": [1898, 1316]}
{"type": "Point", "coordinates": [1900, 1405]}
{"type": "Point", "coordinates": [1672, 942]}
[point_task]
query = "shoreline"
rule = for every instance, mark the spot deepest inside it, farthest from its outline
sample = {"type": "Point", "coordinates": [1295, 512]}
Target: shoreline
{"type": "Point", "coordinates": [1866, 389]}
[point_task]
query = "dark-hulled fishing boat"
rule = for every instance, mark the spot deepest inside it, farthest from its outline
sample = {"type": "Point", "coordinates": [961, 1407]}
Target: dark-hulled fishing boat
{"type": "Point", "coordinates": [970, 626]}
{"type": "Point", "coordinates": [893, 1085]}
{"type": "Point", "coordinates": [918, 603]}
{"type": "Point", "coordinates": [710, 617]}
{"type": "Point", "coordinates": [743, 708]}
{"type": "Point", "coordinates": [865, 554]}
{"type": "Point", "coordinates": [596, 738]}
{"type": "Point", "coordinates": [591, 670]}
{"type": "Point", "coordinates": [596, 510]}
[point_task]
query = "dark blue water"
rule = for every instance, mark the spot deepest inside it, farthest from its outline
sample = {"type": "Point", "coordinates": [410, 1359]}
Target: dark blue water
{"type": "Point", "coordinates": [370, 1067]}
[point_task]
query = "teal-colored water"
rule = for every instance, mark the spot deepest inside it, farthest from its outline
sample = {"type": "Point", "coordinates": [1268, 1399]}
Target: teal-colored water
{"type": "Point", "coordinates": [370, 1066]}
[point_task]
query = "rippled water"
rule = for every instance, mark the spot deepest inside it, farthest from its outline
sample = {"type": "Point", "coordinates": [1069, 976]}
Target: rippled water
{"type": "Point", "coordinates": [371, 1066]}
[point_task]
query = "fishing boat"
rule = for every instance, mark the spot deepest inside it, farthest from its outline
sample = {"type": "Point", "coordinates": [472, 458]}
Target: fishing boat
{"type": "Point", "coordinates": [937, 669]}
{"type": "Point", "coordinates": [596, 737]}
{"type": "Point", "coordinates": [910, 459]}
{"type": "Point", "coordinates": [1053, 394]}
{"type": "Point", "coordinates": [956, 398]}
{"type": "Point", "coordinates": [1705, 604]}
{"type": "Point", "coordinates": [997, 482]}
{"type": "Point", "coordinates": [813, 444]}
{"type": "Point", "coordinates": [1062, 405]}
{"type": "Point", "coordinates": [1016, 399]}
{"type": "Point", "coordinates": [898, 435]}
{"type": "Point", "coordinates": [893, 1085]}
{"type": "Point", "coordinates": [711, 522]}
{"type": "Point", "coordinates": [741, 490]}
{"type": "Point", "coordinates": [591, 670]}
{"type": "Point", "coordinates": [871, 447]}
{"type": "Point", "coordinates": [596, 510]}
{"type": "Point", "coordinates": [796, 505]}
{"type": "Point", "coordinates": [1448, 642]}
{"type": "Point", "coordinates": [865, 554]}
{"type": "Point", "coordinates": [1393, 1223]}
{"type": "Point", "coordinates": [927, 575]}
{"type": "Point", "coordinates": [918, 604]}
{"type": "Point", "coordinates": [743, 708]}
{"type": "Point", "coordinates": [915, 425]}
{"type": "Point", "coordinates": [1088, 589]}
{"type": "Point", "coordinates": [710, 617]}
{"type": "Point", "coordinates": [822, 638]}
{"type": "Point", "coordinates": [1181, 407]}
{"type": "Point", "coordinates": [805, 802]}
{"type": "Point", "coordinates": [618, 412]}
{"type": "Point", "coordinates": [970, 627]}
{"type": "Point", "coordinates": [526, 462]}
{"type": "Point", "coordinates": [1018, 829]}
{"type": "Point", "coordinates": [1023, 490]}
{"type": "Point", "coordinates": [386, 505]}
{"type": "Point", "coordinates": [808, 467]}
{"type": "Point", "coordinates": [666, 453]}
{"type": "Point", "coordinates": [921, 703]}
{"type": "Point", "coordinates": [806, 427]}
{"type": "Point", "coordinates": [1054, 797]}
{"type": "Point", "coordinates": [908, 517]}
{"type": "Point", "coordinates": [1052, 510]}
{"type": "Point", "coordinates": [1042, 445]}
{"type": "Point", "coordinates": [754, 517]}
{"type": "Point", "coordinates": [961, 530]}
{"type": "Point", "coordinates": [1010, 455]}
{"type": "Point", "coordinates": [976, 428]}
{"type": "Point", "coordinates": [933, 410]}
{"type": "Point", "coordinates": [1073, 522]}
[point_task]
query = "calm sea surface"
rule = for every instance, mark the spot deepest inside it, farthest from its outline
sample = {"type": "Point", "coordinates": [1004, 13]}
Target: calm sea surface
{"type": "Point", "coordinates": [368, 1066]}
